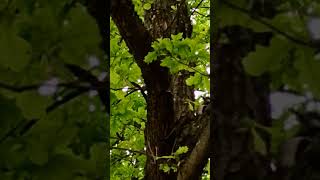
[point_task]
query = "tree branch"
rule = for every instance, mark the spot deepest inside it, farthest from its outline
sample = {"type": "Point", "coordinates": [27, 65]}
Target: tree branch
{"type": "Point", "coordinates": [132, 30]}
{"type": "Point", "coordinates": [196, 161]}
{"type": "Point", "coordinates": [130, 150]}
{"type": "Point", "coordinates": [195, 9]}
{"type": "Point", "coordinates": [270, 26]}
{"type": "Point", "coordinates": [29, 124]}
{"type": "Point", "coordinates": [66, 99]}
{"type": "Point", "coordinates": [202, 14]}
{"type": "Point", "coordinates": [101, 87]}
{"type": "Point", "coordinates": [18, 89]}
{"type": "Point", "coordinates": [100, 11]}
{"type": "Point", "coordinates": [192, 68]}
{"type": "Point", "coordinates": [141, 90]}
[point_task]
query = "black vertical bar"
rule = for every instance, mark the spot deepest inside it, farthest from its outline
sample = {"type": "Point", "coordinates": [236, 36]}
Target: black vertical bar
{"type": "Point", "coordinates": [213, 32]}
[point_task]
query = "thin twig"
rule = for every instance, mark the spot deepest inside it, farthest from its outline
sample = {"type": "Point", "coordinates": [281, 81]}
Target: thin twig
{"type": "Point", "coordinates": [66, 99]}
{"type": "Point", "coordinates": [194, 9]}
{"type": "Point", "coordinates": [29, 124]}
{"type": "Point", "coordinates": [130, 150]}
{"type": "Point", "coordinates": [202, 14]}
{"type": "Point", "coordinates": [32, 87]}
{"type": "Point", "coordinates": [141, 89]}
{"type": "Point", "coordinates": [194, 69]}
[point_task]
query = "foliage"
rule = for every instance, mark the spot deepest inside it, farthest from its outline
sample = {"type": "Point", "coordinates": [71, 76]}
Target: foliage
{"type": "Point", "coordinates": [167, 167]}
{"type": "Point", "coordinates": [291, 59]}
{"type": "Point", "coordinates": [44, 134]}
{"type": "Point", "coordinates": [128, 114]}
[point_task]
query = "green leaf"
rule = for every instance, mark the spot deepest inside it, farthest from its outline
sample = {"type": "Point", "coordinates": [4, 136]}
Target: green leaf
{"type": "Point", "coordinates": [15, 51]}
{"type": "Point", "coordinates": [181, 150]}
{"type": "Point", "coordinates": [190, 106]}
{"type": "Point", "coordinates": [194, 80]}
{"type": "Point", "coordinates": [98, 155]}
{"type": "Point", "coordinates": [165, 167]}
{"type": "Point", "coordinates": [147, 6]}
{"type": "Point", "coordinates": [308, 69]}
{"type": "Point", "coordinates": [259, 144]}
{"type": "Point", "coordinates": [32, 105]}
{"type": "Point", "coordinates": [266, 58]}
{"type": "Point", "coordinates": [171, 64]}
{"type": "Point", "coordinates": [174, 169]}
{"type": "Point", "coordinates": [177, 37]}
{"type": "Point", "coordinates": [81, 37]}
{"type": "Point", "coordinates": [38, 153]}
{"type": "Point", "coordinates": [150, 57]}
{"type": "Point", "coordinates": [167, 44]}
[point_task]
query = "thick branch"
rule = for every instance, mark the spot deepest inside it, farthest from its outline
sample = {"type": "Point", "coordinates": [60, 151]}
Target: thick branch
{"type": "Point", "coordinates": [131, 29]}
{"type": "Point", "coordinates": [196, 161]}
{"type": "Point", "coordinates": [99, 10]}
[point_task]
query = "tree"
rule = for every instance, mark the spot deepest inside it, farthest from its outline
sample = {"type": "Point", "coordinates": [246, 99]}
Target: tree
{"type": "Point", "coordinates": [264, 47]}
{"type": "Point", "coordinates": [53, 89]}
{"type": "Point", "coordinates": [167, 63]}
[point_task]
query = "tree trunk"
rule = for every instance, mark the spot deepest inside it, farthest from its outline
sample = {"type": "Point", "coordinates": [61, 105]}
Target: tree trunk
{"type": "Point", "coordinates": [237, 97]}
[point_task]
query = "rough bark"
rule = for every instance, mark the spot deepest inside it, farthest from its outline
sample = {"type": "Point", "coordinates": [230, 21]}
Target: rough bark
{"type": "Point", "coordinates": [170, 123]}
{"type": "Point", "coordinates": [197, 159]}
